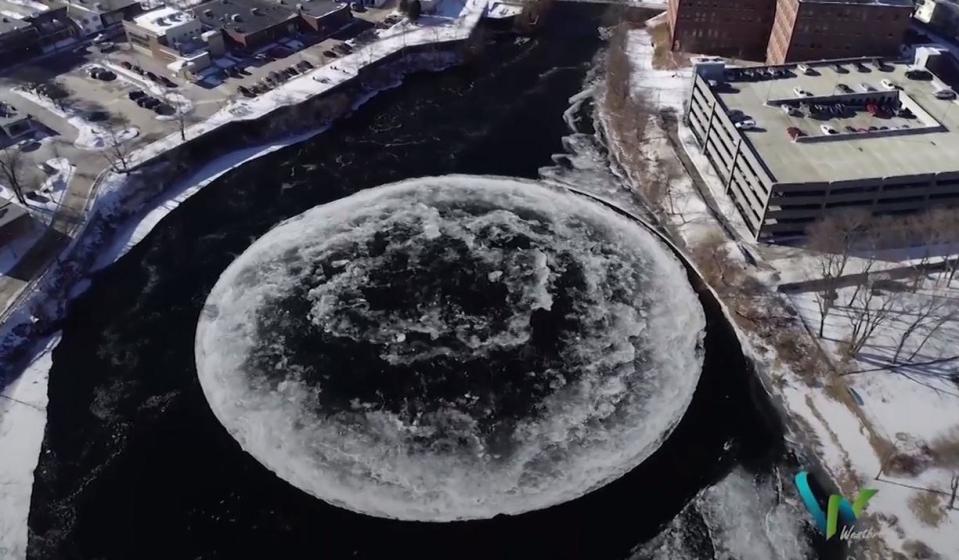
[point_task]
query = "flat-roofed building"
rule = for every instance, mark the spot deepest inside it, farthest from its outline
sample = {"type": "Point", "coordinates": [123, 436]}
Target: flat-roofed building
{"type": "Point", "coordinates": [255, 23]}
{"type": "Point", "coordinates": [162, 32]}
{"type": "Point", "coordinates": [792, 144]}
{"type": "Point", "coordinates": [93, 15]}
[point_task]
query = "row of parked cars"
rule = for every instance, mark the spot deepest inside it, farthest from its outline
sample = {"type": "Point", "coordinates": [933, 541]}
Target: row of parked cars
{"type": "Point", "coordinates": [153, 77]}
{"type": "Point", "coordinates": [275, 78]}
{"type": "Point", "coordinates": [147, 101]}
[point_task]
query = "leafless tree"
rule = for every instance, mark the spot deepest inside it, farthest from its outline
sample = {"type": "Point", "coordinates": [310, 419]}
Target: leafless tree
{"type": "Point", "coordinates": [869, 311]}
{"type": "Point", "coordinates": [833, 238]}
{"type": "Point", "coordinates": [117, 152]}
{"type": "Point", "coordinates": [922, 311]}
{"type": "Point", "coordinates": [180, 114]}
{"type": "Point", "coordinates": [955, 489]}
{"type": "Point", "coordinates": [14, 172]}
{"type": "Point", "coordinates": [948, 314]}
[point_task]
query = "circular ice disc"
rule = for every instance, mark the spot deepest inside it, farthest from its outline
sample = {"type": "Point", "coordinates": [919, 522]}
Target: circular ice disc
{"type": "Point", "coordinates": [452, 348]}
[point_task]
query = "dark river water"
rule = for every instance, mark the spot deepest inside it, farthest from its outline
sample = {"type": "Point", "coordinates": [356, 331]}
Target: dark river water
{"type": "Point", "coordinates": [134, 464]}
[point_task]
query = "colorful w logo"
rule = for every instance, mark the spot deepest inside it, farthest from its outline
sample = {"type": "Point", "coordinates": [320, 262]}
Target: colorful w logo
{"type": "Point", "coordinates": [828, 523]}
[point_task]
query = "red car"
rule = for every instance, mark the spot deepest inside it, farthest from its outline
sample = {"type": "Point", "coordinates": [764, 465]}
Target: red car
{"type": "Point", "coordinates": [795, 132]}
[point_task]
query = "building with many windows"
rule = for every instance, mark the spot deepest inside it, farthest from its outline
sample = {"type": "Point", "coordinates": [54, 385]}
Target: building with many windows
{"type": "Point", "coordinates": [794, 142]}
{"type": "Point", "coordinates": [789, 30]}
{"type": "Point", "coordinates": [737, 28]}
{"type": "Point", "coordinates": [822, 29]}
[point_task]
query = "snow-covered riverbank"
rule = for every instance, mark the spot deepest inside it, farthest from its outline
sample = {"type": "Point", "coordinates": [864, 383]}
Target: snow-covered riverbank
{"type": "Point", "coordinates": [907, 411]}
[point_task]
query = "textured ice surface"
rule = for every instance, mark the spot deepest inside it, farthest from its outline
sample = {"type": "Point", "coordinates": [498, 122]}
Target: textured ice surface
{"type": "Point", "coordinates": [451, 348]}
{"type": "Point", "coordinates": [741, 517]}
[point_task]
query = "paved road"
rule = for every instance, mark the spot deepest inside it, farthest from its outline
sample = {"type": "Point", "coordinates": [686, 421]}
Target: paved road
{"type": "Point", "coordinates": [72, 204]}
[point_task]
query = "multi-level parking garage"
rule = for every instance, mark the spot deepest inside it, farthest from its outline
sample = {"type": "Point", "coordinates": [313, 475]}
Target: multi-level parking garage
{"type": "Point", "coordinates": [794, 142]}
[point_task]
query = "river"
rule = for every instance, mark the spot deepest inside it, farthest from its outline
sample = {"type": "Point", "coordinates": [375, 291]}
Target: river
{"type": "Point", "coordinates": [135, 465]}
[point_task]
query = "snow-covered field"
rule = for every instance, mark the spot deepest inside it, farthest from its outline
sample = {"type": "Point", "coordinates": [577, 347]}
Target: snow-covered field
{"type": "Point", "coordinates": [909, 407]}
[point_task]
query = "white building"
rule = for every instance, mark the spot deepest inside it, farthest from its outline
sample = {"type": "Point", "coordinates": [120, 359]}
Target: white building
{"type": "Point", "coordinates": [167, 25]}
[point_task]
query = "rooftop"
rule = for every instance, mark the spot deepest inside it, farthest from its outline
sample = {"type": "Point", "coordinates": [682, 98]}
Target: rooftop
{"type": "Point", "coordinates": [161, 20]}
{"type": "Point", "coordinates": [861, 101]}
{"type": "Point", "coordinates": [243, 16]}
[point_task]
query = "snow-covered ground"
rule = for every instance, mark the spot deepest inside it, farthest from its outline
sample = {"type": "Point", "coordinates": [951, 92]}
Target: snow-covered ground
{"type": "Point", "coordinates": [89, 135]}
{"type": "Point", "coordinates": [52, 190]}
{"type": "Point", "coordinates": [909, 407]}
{"type": "Point", "coordinates": [23, 417]}
{"type": "Point", "coordinates": [139, 227]}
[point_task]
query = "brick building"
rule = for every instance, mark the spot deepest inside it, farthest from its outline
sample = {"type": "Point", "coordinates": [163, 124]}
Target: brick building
{"type": "Point", "coordinates": [782, 31]}
{"type": "Point", "coordinates": [738, 28]}
{"type": "Point", "coordinates": [824, 29]}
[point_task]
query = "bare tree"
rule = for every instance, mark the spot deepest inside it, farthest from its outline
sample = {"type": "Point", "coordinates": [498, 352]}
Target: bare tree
{"type": "Point", "coordinates": [14, 172]}
{"type": "Point", "coordinates": [955, 488]}
{"type": "Point", "coordinates": [117, 152]}
{"type": "Point", "coordinates": [179, 108]}
{"type": "Point", "coordinates": [945, 222]}
{"type": "Point", "coordinates": [833, 238]}
{"type": "Point", "coordinates": [871, 309]}
{"type": "Point", "coordinates": [921, 311]}
{"type": "Point", "coordinates": [948, 315]}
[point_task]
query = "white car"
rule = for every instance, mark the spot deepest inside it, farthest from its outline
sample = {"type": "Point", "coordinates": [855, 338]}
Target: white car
{"type": "Point", "coordinates": [803, 68]}
{"type": "Point", "coordinates": [828, 130]}
{"type": "Point", "coordinates": [800, 92]}
{"type": "Point", "coordinates": [866, 87]}
{"type": "Point", "coordinates": [746, 124]}
{"type": "Point", "coordinates": [889, 84]}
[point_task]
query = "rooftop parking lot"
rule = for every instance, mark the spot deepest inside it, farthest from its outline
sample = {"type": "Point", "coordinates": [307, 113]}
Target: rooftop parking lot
{"type": "Point", "coordinates": [837, 95]}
